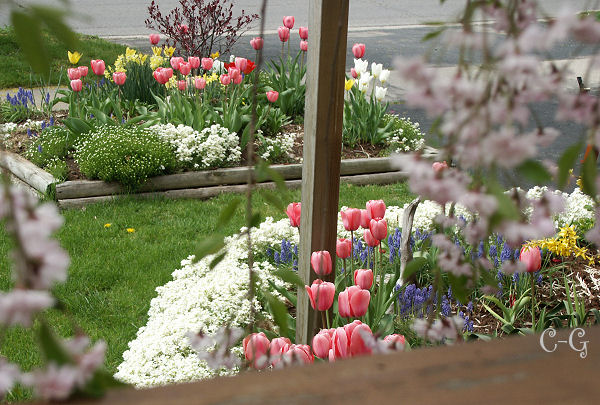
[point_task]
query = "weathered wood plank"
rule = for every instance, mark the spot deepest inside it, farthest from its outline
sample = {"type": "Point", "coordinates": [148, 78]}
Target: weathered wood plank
{"type": "Point", "coordinates": [323, 122]}
{"type": "Point", "coordinates": [27, 172]}
{"type": "Point", "coordinates": [512, 370]}
{"type": "Point", "coordinates": [237, 175]}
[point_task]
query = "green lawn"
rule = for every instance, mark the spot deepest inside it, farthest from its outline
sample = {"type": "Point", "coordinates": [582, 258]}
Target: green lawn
{"type": "Point", "coordinates": [114, 273]}
{"type": "Point", "coordinates": [17, 73]}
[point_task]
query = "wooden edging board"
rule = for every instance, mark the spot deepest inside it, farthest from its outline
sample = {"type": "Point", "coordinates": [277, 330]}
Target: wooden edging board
{"type": "Point", "coordinates": [28, 173]}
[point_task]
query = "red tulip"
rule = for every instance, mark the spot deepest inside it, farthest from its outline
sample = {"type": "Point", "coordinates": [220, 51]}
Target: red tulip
{"type": "Point", "coordinates": [154, 39]}
{"type": "Point", "coordinates": [76, 85]}
{"type": "Point", "coordinates": [532, 258]}
{"type": "Point", "coordinates": [351, 219]}
{"type": "Point", "coordinates": [288, 21]}
{"type": "Point", "coordinates": [363, 278]}
{"type": "Point", "coordinates": [83, 71]}
{"type": "Point", "coordinates": [257, 43]}
{"type": "Point", "coordinates": [225, 80]}
{"type": "Point", "coordinates": [358, 50]}
{"type": "Point", "coordinates": [185, 68]}
{"type": "Point", "coordinates": [241, 63]}
{"type": "Point", "coordinates": [304, 46]}
{"type": "Point", "coordinates": [194, 62]}
{"type": "Point", "coordinates": [343, 248]}
{"type": "Point", "coordinates": [321, 344]}
{"type": "Point", "coordinates": [353, 302]}
{"type": "Point", "coordinates": [353, 73]}
{"type": "Point", "coordinates": [181, 85]}
{"type": "Point", "coordinates": [256, 345]}
{"type": "Point", "coordinates": [119, 78]}
{"type": "Point", "coordinates": [370, 239]}
{"type": "Point", "coordinates": [321, 262]}
{"type": "Point", "coordinates": [376, 208]}
{"type": "Point", "coordinates": [293, 212]}
{"type": "Point", "coordinates": [207, 63]}
{"type": "Point", "coordinates": [175, 62]}
{"type": "Point", "coordinates": [184, 28]}
{"type": "Point", "coordinates": [395, 341]}
{"type": "Point", "coordinates": [339, 344]}
{"type": "Point", "coordinates": [378, 228]}
{"type": "Point", "coordinates": [299, 354]}
{"type": "Point", "coordinates": [73, 73]}
{"type": "Point", "coordinates": [272, 96]}
{"type": "Point", "coordinates": [97, 66]}
{"type": "Point", "coordinates": [303, 32]}
{"type": "Point", "coordinates": [200, 83]}
{"type": "Point", "coordinates": [284, 33]}
{"type": "Point", "coordinates": [439, 167]}
{"type": "Point", "coordinates": [365, 219]}
{"type": "Point", "coordinates": [357, 342]}
{"type": "Point", "coordinates": [249, 67]}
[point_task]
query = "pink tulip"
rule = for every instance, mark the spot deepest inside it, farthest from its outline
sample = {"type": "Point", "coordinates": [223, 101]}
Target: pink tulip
{"type": "Point", "coordinates": [532, 258]}
{"type": "Point", "coordinates": [277, 348]}
{"type": "Point", "coordinates": [76, 85]}
{"type": "Point", "coordinates": [343, 248]}
{"type": "Point", "coordinates": [304, 46]}
{"type": "Point", "coordinates": [233, 72]}
{"type": "Point", "coordinates": [303, 32]}
{"type": "Point", "coordinates": [181, 85]}
{"type": "Point", "coordinates": [272, 96]}
{"type": "Point", "coordinates": [194, 62]}
{"type": "Point", "coordinates": [161, 75]}
{"type": "Point", "coordinates": [284, 33]}
{"type": "Point", "coordinates": [339, 343]}
{"type": "Point", "coordinates": [349, 328]}
{"type": "Point", "coordinates": [351, 219]}
{"type": "Point", "coordinates": [395, 341]}
{"type": "Point", "coordinates": [97, 66]}
{"type": "Point", "coordinates": [241, 64]}
{"type": "Point", "coordinates": [331, 355]}
{"type": "Point", "coordinates": [200, 83]}
{"type": "Point", "coordinates": [154, 39]}
{"type": "Point", "coordinates": [168, 72]}
{"type": "Point", "coordinates": [321, 262]}
{"type": "Point", "coordinates": [83, 71]}
{"type": "Point", "coordinates": [119, 78]}
{"type": "Point", "coordinates": [256, 345]}
{"type": "Point", "coordinates": [321, 344]}
{"type": "Point", "coordinates": [257, 43]}
{"type": "Point", "coordinates": [293, 212]}
{"type": "Point", "coordinates": [439, 167]}
{"type": "Point", "coordinates": [288, 21]}
{"type": "Point", "coordinates": [376, 208]}
{"type": "Point", "coordinates": [238, 79]}
{"type": "Point", "coordinates": [185, 68]}
{"type": "Point", "coordinates": [378, 228]}
{"type": "Point", "coordinates": [353, 73]}
{"type": "Point", "coordinates": [357, 342]}
{"type": "Point", "coordinates": [370, 239]}
{"type": "Point", "coordinates": [365, 219]}
{"type": "Point", "coordinates": [353, 302]}
{"type": "Point", "coordinates": [175, 62]}
{"type": "Point", "coordinates": [299, 354]}
{"type": "Point", "coordinates": [358, 50]}
{"type": "Point", "coordinates": [73, 73]}
{"type": "Point", "coordinates": [207, 63]}
{"type": "Point", "coordinates": [184, 28]}
{"type": "Point", "coordinates": [363, 278]}
{"type": "Point", "coordinates": [225, 80]}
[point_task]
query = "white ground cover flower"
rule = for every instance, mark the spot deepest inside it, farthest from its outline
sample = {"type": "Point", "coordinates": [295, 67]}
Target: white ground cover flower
{"type": "Point", "coordinates": [273, 148]}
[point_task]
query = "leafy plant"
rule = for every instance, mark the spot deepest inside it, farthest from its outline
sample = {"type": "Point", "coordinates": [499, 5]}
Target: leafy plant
{"type": "Point", "coordinates": [51, 144]}
{"type": "Point", "coordinates": [19, 107]}
{"type": "Point", "coordinates": [364, 119]}
{"type": "Point", "coordinates": [287, 78]}
{"type": "Point", "coordinates": [510, 315]}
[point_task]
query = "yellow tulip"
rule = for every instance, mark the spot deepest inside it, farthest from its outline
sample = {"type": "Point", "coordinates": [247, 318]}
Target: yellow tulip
{"type": "Point", "coordinates": [74, 57]}
{"type": "Point", "coordinates": [169, 51]}
{"type": "Point", "coordinates": [348, 85]}
{"type": "Point", "coordinates": [156, 50]}
{"type": "Point", "coordinates": [129, 53]}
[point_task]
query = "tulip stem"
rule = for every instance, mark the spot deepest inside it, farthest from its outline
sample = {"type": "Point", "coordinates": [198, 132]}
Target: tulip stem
{"type": "Point", "coordinates": [324, 319]}
{"type": "Point", "coordinates": [532, 302]}
{"type": "Point", "coordinates": [345, 269]}
{"type": "Point", "coordinates": [327, 317]}
{"type": "Point", "coordinates": [351, 257]}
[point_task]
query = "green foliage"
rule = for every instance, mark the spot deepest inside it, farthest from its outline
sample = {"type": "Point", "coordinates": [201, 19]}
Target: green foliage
{"type": "Point", "coordinates": [49, 149]}
{"type": "Point", "coordinates": [271, 120]}
{"type": "Point", "coordinates": [405, 135]}
{"type": "Point", "coordinates": [287, 78]}
{"type": "Point", "coordinates": [128, 155]}
{"type": "Point", "coordinates": [140, 81]}
{"type": "Point", "coordinates": [179, 110]}
{"type": "Point", "coordinates": [364, 119]}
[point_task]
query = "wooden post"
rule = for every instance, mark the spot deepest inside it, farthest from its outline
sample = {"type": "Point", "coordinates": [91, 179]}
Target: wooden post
{"type": "Point", "coordinates": [323, 120]}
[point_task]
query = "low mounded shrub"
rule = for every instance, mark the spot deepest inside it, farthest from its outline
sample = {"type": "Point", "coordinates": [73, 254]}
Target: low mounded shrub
{"type": "Point", "coordinates": [49, 149]}
{"type": "Point", "coordinates": [128, 155]}
{"type": "Point", "coordinates": [405, 135]}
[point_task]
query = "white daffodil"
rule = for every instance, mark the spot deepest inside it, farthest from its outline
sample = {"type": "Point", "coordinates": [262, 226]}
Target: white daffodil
{"type": "Point", "coordinates": [380, 93]}
{"type": "Point", "coordinates": [360, 66]}
{"type": "Point", "coordinates": [384, 75]}
{"type": "Point", "coordinates": [376, 69]}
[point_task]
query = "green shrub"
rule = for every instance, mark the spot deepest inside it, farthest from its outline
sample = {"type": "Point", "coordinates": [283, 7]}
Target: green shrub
{"type": "Point", "coordinates": [405, 135]}
{"type": "Point", "coordinates": [128, 155]}
{"type": "Point", "coordinates": [51, 144]}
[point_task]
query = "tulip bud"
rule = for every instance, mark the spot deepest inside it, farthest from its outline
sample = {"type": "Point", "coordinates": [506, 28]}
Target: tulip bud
{"type": "Point", "coordinates": [256, 345]}
{"type": "Point", "coordinates": [73, 73]}
{"type": "Point", "coordinates": [277, 348]}
{"type": "Point", "coordinates": [354, 73]}
{"type": "Point", "coordinates": [351, 219]}
{"type": "Point", "coordinates": [257, 43]}
{"type": "Point", "coordinates": [284, 33]}
{"type": "Point", "coordinates": [363, 278]}
{"type": "Point", "coordinates": [358, 50]}
{"type": "Point", "coordinates": [200, 83]}
{"type": "Point", "coordinates": [395, 341]}
{"type": "Point", "coordinates": [194, 62]}
{"type": "Point", "coordinates": [321, 262]}
{"type": "Point", "coordinates": [272, 96]}
{"type": "Point", "coordinates": [376, 208]}
{"type": "Point", "coordinates": [238, 79]}
{"type": "Point", "coordinates": [76, 85]}
{"type": "Point", "coordinates": [233, 73]}
{"type": "Point", "coordinates": [303, 32]}
{"type": "Point", "coordinates": [378, 228]}
{"type": "Point", "coordinates": [288, 21]}
{"type": "Point", "coordinates": [532, 258]}
{"type": "Point", "coordinates": [353, 302]}
{"type": "Point", "coordinates": [339, 343]}
{"type": "Point", "coordinates": [321, 294]}
{"type": "Point", "coordinates": [168, 72]}
{"type": "Point", "coordinates": [298, 354]}
{"type": "Point", "coordinates": [293, 212]}
{"type": "Point", "coordinates": [343, 248]}
{"type": "Point", "coordinates": [98, 66]}
{"type": "Point", "coordinates": [154, 39]}
{"type": "Point", "coordinates": [207, 63]}
{"type": "Point", "coordinates": [365, 219]}
{"type": "Point", "coordinates": [321, 343]}
{"type": "Point", "coordinates": [304, 46]}
{"type": "Point", "coordinates": [185, 68]}
{"type": "Point", "coordinates": [119, 78]}
{"type": "Point", "coordinates": [83, 71]}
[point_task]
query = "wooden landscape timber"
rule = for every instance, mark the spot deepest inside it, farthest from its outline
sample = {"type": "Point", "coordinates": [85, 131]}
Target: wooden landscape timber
{"type": "Point", "coordinates": [26, 172]}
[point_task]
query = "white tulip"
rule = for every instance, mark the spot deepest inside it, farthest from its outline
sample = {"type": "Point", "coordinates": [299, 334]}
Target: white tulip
{"type": "Point", "coordinates": [380, 93]}
{"type": "Point", "coordinates": [364, 81]}
{"type": "Point", "coordinates": [376, 69]}
{"type": "Point", "coordinates": [384, 75]}
{"type": "Point", "coordinates": [360, 66]}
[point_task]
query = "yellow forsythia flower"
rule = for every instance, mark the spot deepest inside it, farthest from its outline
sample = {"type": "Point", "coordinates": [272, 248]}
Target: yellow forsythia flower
{"type": "Point", "coordinates": [156, 50]}
{"type": "Point", "coordinates": [215, 55]}
{"type": "Point", "coordinates": [348, 85]}
{"type": "Point", "coordinates": [74, 57]}
{"type": "Point", "coordinates": [169, 51]}
{"type": "Point", "coordinates": [130, 230]}
{"type": "Point", "coordinates": [107, 225]}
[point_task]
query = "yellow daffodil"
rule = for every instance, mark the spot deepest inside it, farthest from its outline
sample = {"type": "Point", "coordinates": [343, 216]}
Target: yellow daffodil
{"type": "Point", "coordinates": [156, 50]}
{"type": "Point", "coordinates": [130, 230]}
{"type": "Point", "coordinates": [169, 51]}
{"type": "Point", "coordinates": [107, 225]}
{"type": "Point", "coordinates": [74, 57]}
{"type": "Point", "coordinates": [129, 53]}
{"type": "Point", "coordinates": [215, 55]}
{"type": "Point", "coordinates": [156, 61]}
{"type": "Point", "coordinates": [142, 58]}
{"type": "Point", "coordinates": [348, 85]}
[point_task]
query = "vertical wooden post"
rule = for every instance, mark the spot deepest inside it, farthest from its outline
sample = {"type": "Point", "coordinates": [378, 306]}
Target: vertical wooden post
{"type": "Point", "coordinates": [323, 120]}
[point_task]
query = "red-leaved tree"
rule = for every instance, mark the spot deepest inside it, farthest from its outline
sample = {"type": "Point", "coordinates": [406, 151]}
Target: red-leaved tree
{"type": "Point", "coordinates": [200, 27]}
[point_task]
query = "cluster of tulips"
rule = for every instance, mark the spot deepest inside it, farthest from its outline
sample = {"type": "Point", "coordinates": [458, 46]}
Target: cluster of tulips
{"type": "Point", "coordinates": [77, 74]}
{"type": "Point", "coordinates": [355, 337]}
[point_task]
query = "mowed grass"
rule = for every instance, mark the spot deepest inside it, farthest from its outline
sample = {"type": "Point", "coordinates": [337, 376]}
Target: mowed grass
{"type": "Point", "coordinates": [114, 274]}
{"type": "Point", "coordinates": [16, 71]}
